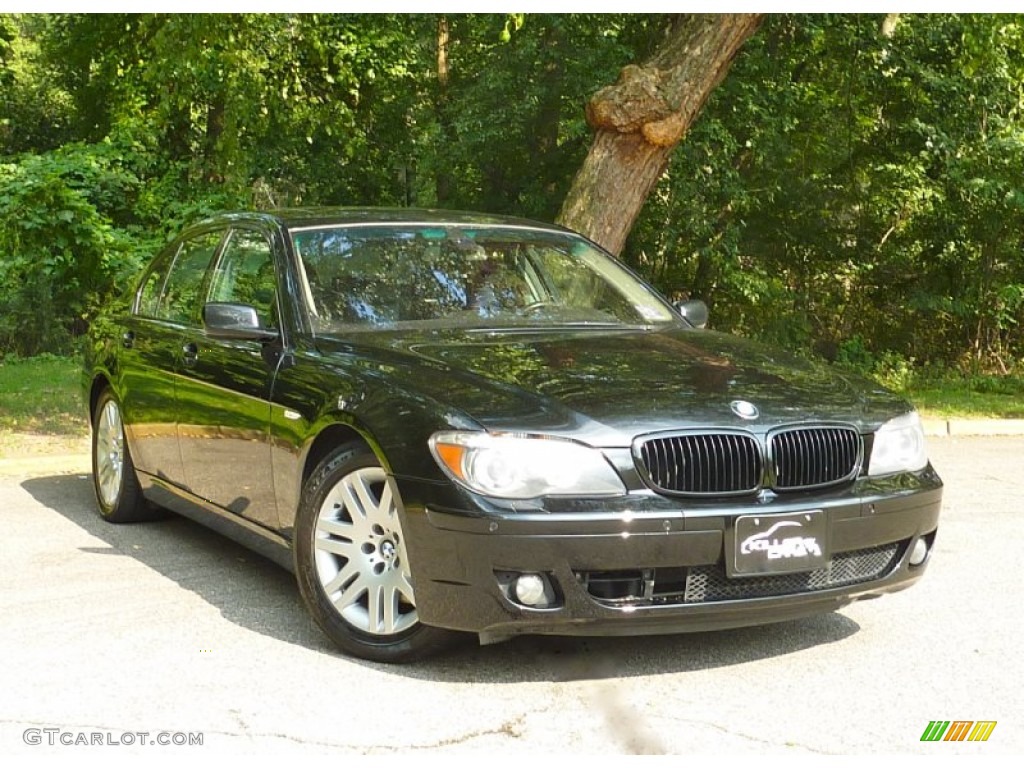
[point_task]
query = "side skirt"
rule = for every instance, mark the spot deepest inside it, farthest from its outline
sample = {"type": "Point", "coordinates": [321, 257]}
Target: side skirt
{"type": "Point", "coordinates": [270, 545]}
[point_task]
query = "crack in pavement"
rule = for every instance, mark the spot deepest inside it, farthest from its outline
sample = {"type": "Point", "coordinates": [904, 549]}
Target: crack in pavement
{"type": "Point", "coordinates": [511, 727]}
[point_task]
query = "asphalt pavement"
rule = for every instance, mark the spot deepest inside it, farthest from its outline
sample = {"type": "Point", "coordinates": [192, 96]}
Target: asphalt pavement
{"type": "Point", "coordinates": [114, 638]}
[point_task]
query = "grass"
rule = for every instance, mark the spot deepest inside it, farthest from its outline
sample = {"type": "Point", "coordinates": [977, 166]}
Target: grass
{"type": "Point", "coordinates": [977, 397]}
{"type": "Point", "coordinates": [40, 395]}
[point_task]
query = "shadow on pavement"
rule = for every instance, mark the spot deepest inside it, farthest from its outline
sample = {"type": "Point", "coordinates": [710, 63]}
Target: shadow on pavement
{"type": "Point", "coordinates": [257, 595]}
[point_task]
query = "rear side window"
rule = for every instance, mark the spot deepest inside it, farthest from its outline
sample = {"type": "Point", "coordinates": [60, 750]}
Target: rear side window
{"type": "Point", "coordinates": [152, 288]}
{"type": "Point", "coordinates": [179, 302]}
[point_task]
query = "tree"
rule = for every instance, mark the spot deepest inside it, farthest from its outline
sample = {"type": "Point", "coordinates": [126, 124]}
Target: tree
{"type": "Point", "coordinates": [851, 187]}
{"type": "Point", "coordinates": [641, 119]}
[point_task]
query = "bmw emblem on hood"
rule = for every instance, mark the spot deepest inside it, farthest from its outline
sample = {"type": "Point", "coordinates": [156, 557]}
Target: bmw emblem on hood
{"type": "Point", "coordinates": [744, 410]}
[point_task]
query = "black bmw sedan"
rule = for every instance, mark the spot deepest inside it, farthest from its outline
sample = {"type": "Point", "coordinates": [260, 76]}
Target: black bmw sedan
{"type": "Point", "coordinates": [456, 423]}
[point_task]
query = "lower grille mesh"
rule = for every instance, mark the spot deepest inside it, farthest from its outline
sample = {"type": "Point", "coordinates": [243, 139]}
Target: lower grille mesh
{"type": "Point", "coordinates": [708, 583]}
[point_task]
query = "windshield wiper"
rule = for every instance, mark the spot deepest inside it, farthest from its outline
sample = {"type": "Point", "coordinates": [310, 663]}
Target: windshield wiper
{"type": "Point", "coordinates": [579, 325]}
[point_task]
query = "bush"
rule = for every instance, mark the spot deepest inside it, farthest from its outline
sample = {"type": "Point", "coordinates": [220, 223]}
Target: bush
{"type": "Point", "coordinates": [61, 254]}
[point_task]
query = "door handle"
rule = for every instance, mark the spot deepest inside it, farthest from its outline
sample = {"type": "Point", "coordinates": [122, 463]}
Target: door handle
{"type": "Point", "coordinates": [128, 339]}
{"type": "Point", "coordinates": [190, 353]}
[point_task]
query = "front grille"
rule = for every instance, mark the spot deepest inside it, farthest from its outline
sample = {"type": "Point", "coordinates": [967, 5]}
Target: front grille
{"type": "Point", "coordinates": [709, 584]}
{"type": "Point", "coordinates": [724, 463]}
{"type": "Point", "coordinates": [717, 463]}
{"type": "Point", "coordinates": [808, 457]}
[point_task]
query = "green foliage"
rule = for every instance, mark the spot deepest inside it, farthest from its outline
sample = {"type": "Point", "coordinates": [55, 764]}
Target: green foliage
{"type": "Point", "coordinates": [61, 252]}
{"type": "Point", "coordinates": [34, 109]}
{"type": "Point", "coordinates": [7, 36]}
{"type": "Point", "coordinates": [844, 192]}
{"type": "Point", "coordinates": [846, 187]}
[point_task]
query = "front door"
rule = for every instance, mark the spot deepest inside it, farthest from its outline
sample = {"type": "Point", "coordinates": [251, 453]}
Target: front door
{"type": "Point", "coordinates": [224, 388]}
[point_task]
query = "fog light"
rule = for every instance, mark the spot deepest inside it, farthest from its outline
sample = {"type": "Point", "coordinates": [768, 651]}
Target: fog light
{"type": "Point", "coordinates": [530, 589]}
{"type": "Point", "coordinates": [919, 552]}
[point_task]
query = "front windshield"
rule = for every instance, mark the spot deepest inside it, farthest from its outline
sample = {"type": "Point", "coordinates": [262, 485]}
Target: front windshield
{"type": "Point", "coordinates": [446, 276]}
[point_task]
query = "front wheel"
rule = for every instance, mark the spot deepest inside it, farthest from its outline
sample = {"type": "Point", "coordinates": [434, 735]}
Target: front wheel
{"type": "Point", "coordinates": [351, 561]}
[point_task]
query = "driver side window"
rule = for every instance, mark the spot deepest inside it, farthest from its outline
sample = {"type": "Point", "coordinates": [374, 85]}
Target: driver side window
{"type": "Point", "coordinates": [179, 301]}
{"type": "Point", "coordinates": [245, 275]}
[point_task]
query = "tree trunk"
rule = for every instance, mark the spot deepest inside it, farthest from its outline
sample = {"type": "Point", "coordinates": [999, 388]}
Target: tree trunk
{"type": "Point", "coordinates": [215, 121]}
{"type": "Point", "coordinates": [443, 183]}
{"type": "Point", "coordinates": [640, 120]}
{"type": "Point", "coordinates": [543, 136]}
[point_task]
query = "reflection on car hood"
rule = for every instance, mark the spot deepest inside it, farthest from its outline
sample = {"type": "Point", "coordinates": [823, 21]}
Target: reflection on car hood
{"type": "Point", "coordinates": [606, 386]}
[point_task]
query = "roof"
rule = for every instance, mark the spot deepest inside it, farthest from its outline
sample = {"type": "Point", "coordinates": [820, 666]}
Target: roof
{"type": "Point", "coordinates": [315, 217]}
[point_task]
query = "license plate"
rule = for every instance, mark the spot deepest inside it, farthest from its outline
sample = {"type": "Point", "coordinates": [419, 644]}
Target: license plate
{"type": "Point", "coordinates": [766, 544]}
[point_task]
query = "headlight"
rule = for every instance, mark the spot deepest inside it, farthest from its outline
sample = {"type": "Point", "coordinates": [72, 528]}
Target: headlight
{"type": "Point", "coordinates": [899, 446]}
{"type": "Point", "coordinates": [523, 467]}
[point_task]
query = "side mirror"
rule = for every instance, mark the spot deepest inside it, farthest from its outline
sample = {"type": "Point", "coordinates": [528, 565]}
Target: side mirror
{"type": "Point", "coordinates": [235, 321]}
{"type": "Point", "coordinates": [695, 311]}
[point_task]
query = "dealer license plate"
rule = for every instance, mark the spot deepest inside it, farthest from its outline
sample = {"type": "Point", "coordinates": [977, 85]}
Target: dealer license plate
{"type": "Point", "coordinates": [766, 544]}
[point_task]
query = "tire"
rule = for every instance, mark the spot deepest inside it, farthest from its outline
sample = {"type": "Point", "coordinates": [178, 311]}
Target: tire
{"type": "Point", "coordinates": [118, 495]}
{"type": "Point", "coordinates": [351, 562]}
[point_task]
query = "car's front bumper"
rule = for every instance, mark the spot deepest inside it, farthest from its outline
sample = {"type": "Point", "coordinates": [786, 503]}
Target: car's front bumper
{"type": "Point", "coordinates": [644, 564]}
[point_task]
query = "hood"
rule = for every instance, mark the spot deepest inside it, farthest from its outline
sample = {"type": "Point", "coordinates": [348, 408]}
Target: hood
{"type": "Point", "coordinates": [605, 387]}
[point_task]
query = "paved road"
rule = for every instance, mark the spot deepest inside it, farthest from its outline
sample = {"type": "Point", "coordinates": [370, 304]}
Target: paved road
{"type": "Point", "coordinates": [165, 627]}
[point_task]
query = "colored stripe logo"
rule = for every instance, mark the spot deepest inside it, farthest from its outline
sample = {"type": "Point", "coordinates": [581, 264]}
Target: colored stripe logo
{"type": "Point", "coordinates": [958, 730]}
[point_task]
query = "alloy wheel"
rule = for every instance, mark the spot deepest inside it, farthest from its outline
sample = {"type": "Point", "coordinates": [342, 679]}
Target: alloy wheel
{"type": "Point", "coordinates": [360, 556]}
{"type": "Point", "coordinates": [109, 453]}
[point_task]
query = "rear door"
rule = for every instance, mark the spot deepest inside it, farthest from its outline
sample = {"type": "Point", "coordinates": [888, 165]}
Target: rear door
{"type": "Point", "coordinates": [151, 355]}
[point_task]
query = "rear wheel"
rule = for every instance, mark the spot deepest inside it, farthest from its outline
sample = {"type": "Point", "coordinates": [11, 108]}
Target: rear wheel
{"type": "Point", "coordinates": [117, 488]}
{"type": "Point", "coordinates": [351, 561]}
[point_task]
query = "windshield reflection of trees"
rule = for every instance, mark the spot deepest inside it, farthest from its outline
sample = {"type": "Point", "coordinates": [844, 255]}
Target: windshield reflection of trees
{"type": "Point", "coordinates": [394, 278]}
